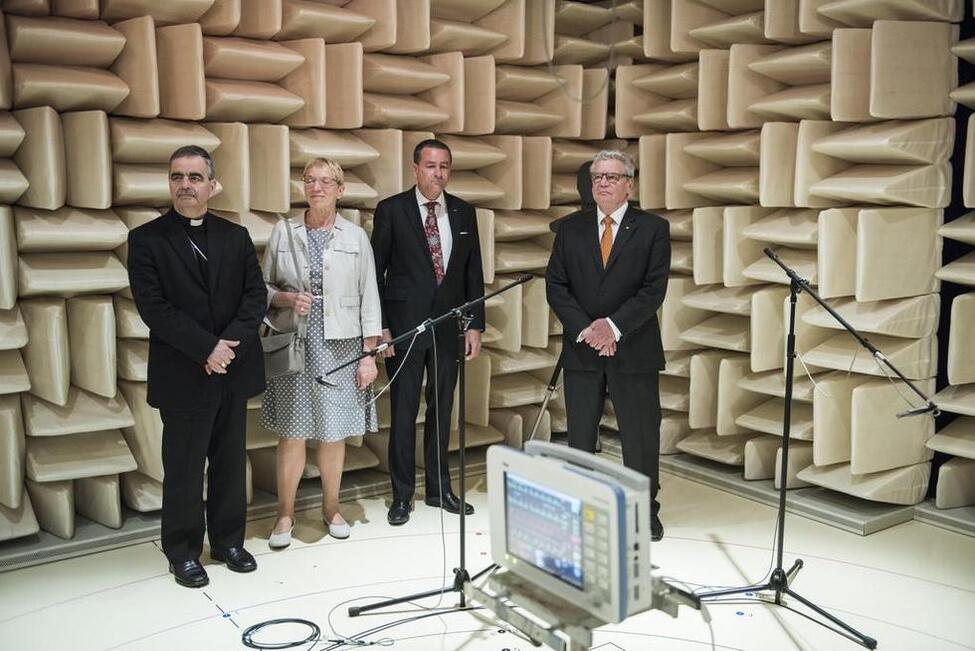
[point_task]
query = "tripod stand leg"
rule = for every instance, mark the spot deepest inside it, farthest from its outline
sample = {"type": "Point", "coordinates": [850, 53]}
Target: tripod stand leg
{"type": "Point", "coordinates": [552, 384]}
{"type": "Point", "coordinates": [864, 640]}
{"type": "Point", "coordinates": [460, 578]}
{"type": "Point", "coordinates": [730, 591]}
{"type": "Point", "coordinates": [791, 574]}
{"type": "Point", "coordinates": [357, 610]}
{"type": "Point", "coordinates": [489, 568]}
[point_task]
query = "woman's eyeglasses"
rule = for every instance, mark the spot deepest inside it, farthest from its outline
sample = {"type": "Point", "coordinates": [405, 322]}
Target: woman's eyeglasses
{"type": "Point", "coordinates": [325, 183]}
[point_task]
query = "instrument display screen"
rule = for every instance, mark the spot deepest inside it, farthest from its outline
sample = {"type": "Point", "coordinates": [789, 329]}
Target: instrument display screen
{"type": "Point", "coordinates": [544, 528]}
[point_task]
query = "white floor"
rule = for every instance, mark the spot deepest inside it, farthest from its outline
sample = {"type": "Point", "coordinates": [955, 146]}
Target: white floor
{"type": "Point", "coordinates": [911, 587]}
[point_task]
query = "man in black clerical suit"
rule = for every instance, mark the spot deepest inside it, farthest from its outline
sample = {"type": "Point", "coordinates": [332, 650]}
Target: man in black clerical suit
{"type": "Point", "coordinates": [197, 285]}
{"type": "Point", "coordinates": [428, 260]}
{"type": "Point", "coordinates": [606, 278]}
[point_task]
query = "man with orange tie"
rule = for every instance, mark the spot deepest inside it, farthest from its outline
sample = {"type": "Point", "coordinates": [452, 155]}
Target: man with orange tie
{"type": "Point", "coordinates": [606, 278]}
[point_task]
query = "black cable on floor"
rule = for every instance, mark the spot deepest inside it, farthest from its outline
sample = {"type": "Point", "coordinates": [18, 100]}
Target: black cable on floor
{"type": "Point", "coordinates": [247, 637]}
{"type": "Point", "coordinates": [357, 639]}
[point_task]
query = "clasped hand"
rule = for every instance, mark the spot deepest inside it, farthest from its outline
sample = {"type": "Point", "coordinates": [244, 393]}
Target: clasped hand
{"type": "Point", "coordinates": [301, 302]}
{"type": "Point", "coordinates": [600, 336]}
{"type": "Point", "coordinates": [221, 356]}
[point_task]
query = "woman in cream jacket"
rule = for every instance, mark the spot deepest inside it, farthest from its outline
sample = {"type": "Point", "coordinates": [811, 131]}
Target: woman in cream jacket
{"type": "Point", "coordinates": [334, 292]}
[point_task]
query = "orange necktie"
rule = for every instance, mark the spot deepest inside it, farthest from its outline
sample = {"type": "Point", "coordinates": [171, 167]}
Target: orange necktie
{"type": "Point", "coordinates": [606, 241]}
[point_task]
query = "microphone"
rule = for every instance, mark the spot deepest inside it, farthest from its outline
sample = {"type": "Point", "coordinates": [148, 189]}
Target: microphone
{"type": "Point", "coordinates": [923, 409]}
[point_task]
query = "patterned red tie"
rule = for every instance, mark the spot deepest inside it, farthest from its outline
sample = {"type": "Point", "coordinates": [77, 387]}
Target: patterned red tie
{"type": "Point", "coordinates": [433, 240]}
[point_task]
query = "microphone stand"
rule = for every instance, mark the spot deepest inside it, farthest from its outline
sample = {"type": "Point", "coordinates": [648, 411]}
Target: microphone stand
{"type": "Point", "coordinates": [780, 578]}
{"type": "Point", "coordinates": [462, 316]}
{"type": "Point", "coordinates": [552, 385]}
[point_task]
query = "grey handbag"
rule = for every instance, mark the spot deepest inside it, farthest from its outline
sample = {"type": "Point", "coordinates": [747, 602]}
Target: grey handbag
{"type": "Point", "coordinates": [284, 353]}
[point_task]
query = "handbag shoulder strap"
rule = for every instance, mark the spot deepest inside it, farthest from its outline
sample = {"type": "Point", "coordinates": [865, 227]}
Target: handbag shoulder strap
{"type": "Point", "coordinates": [294, 255]}
{"type": "Point", "coordinates": [302, 320]}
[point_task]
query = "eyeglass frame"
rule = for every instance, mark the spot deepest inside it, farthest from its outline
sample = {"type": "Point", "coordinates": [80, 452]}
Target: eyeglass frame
{"type": "Point", "coordinates": [325, 183]}
{"type": "Point", "coordinates": [611, 177]}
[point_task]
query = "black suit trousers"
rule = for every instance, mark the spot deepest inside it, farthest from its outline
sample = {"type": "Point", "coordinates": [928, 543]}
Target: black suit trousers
{"type": "Point", "coordinates": [404, 396]}
{"type": "Point", "coordinates": [636, 400]}
{"type": "Point", "coordinates": [212, 432]}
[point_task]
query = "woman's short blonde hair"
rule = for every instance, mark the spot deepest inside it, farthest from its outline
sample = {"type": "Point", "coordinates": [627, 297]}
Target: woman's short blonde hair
{"type": "Point", "coordinates": [330, 165]}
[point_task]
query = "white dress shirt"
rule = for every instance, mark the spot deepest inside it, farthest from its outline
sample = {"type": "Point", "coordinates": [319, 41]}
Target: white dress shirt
{"type": "Point", "coordinates": [443, 223]}
{"type": "Point", "coordinates": [617, 217]}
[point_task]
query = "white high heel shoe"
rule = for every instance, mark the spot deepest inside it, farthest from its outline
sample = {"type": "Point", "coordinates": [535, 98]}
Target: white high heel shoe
{"type": "Point", "coordinates": [340, 530]}
{"type": "Point", "coordinates": [281, 540]}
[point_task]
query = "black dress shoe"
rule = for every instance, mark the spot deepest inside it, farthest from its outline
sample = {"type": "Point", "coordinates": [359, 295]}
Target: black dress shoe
{"type": "Point", "coordinates": [237, 559]}
{"type": "Point", "coordinates": [189, 574]}
{"type": "Point", "coordinates": [451, 503]}
{"type": "Point", "coordinates": [399, 513]}
{"type": "Point", "coordinates": [656, 529]}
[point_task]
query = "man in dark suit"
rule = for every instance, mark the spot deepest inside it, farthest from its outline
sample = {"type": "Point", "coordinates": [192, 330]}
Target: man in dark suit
{"type": "Point", "coordinates": [606, 278]}
{"type": "Point", "coordinates": [428, 260]}
{"type": "Point", "coordinates": [197, 285]}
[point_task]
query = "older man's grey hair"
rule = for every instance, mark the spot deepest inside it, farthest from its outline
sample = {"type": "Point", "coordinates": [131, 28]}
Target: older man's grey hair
{"type": "Point", "coordinates": [614, 154]}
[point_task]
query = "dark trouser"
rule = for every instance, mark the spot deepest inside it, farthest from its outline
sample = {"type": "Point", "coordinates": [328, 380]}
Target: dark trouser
{"type": "Point", "coordinates": [211, 432]}
{"type": "Point", "coordinates": [404, 395]}
{"type": "Point", "coordinates": [636, 399]}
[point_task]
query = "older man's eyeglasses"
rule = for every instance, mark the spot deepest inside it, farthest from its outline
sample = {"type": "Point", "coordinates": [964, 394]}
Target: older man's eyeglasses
{"type": "Point", "coordinates": [324, 182]}
{"type": "Point", "coordinates": [610, 177]}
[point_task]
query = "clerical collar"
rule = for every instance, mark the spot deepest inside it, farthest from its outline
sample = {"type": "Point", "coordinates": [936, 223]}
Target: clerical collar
{"type": "Point", "coordinates": [194, 223]}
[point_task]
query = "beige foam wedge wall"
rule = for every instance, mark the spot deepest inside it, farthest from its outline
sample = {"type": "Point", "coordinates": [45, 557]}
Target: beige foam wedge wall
{"type": "Point", "coordinates": [810, 128]}
{"type": "Point", "coordinates": [956, 477]}
{"type": "Point", "coordinates": [96, 95]}
{"type": "Point", "coordinates": [805, 126]}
